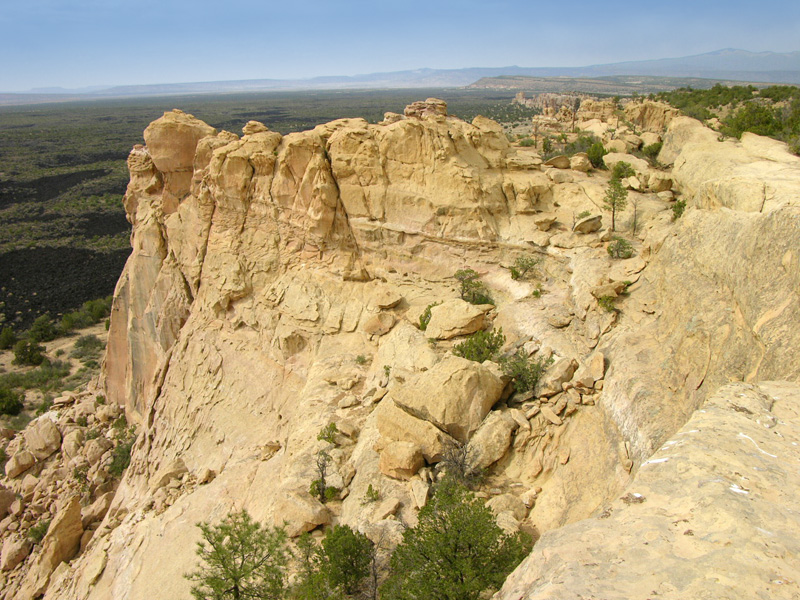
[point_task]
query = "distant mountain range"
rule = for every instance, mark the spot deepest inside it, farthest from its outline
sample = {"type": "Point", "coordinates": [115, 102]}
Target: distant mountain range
{"type": "Point", "coordinates": [728, 64]}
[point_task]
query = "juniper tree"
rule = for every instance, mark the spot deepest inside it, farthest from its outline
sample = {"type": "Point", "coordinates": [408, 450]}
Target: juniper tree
{"type": "Point", "coordinates": [456, 551]}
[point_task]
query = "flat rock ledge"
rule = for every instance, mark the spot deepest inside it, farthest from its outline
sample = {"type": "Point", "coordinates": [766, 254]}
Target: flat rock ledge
{"type": "Point", "coordinates": [712, 514]}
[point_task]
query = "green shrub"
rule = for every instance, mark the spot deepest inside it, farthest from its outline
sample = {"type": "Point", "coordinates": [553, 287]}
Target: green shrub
{"type": "Point", "coordinates": [7, 338]}
{"type": "Point", "coordinates": [527, 142]}
{"type": "Point", "coordinates": [606, 303]}
{"type": "Point", "coordinates": [651, 152]}
{"type": "Point", "coordinates": [42, 329]}
{"type": "Point", "coordinates": [28, 352]}
{"type": "Point", "coordinates": [524, 265]}
{"type": "Point", "coordinates": [524, 370]}
{"type": "Point", "coordinates": [361, 359]}
{"type": "Point", "coordinates": [37, 532]}
{"type": "Point", "coordinates": [620, 248]}
{"type": "Point", "coordinates": [481, 345]}
{"type": "Point", "coordinates": [91, 312]}
{"type": "Point", "coordinates": [10, 402]}
{"type": "Point", "coordinates": [456, 551]}
{"type": "Point", "coordinates": [319, 487]}
{"type": "Point", "coordinates": [596, 152]}
{"type": "Point", "coordinates": [472, 289]}
{"type": "Point", "coordinates": [677, 209]}
{"type": "Point", "coordinates": [121, 455]}
{"type": "Point", "coordinates": [345, 559]}
{"type": "Point", "coordinates": [87, 347]}
{"type": "Point", "coordinates": [371, 495]}
{"type": "Point", "coordinates": [324, 493]}
{"type": "Point", "coordinates": [622, 170]}
{"type": "Point", "coordinates": [425, 317]}
{"type": "Point", "coordinates": [755, 117]}
{"type": "Point", "coordinates": [47, 377]}
{"type": "Point", "coordinates": [328, 433]}
{"type": "Point", "coordinates": [582, 144]}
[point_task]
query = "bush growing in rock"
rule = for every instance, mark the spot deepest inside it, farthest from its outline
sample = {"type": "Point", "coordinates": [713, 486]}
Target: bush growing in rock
{"type": "Point", "coordinates": [524, 370]}
{"type": "Point", "coordinates": [616, 198]}
{"type": "Point", "coordinates": [328, 433]}
{"type": "Point", "coordinates": [472, 289]}
{"type": "Point", "coordinates": [622, 170]}
{"type": "Point", "coordinates": [651, 152]}
{"type": "Point", "coordinates": [37, 532]}
{"type": "Point", "coordinates": [425, 317]}
{"type": "Point", "coordinates": [240, 559]}
{"type": "Point", "coordinates": [319, 488]}
{"type": "Point", "coordinates": [456, 551]}
{"type": "Point", "coordinates": [524, 265]}
{"type": "Point", "coordinates": [620, 248]}
{"type": "Point", "coordinates": [481, 345]}
{"type": "Point", "coordinates": [606, 303]}
{"type": "Point", "coordinates": [121, 455]}
{"type": "Point", "coordinates": [458, 463]}
{"type": "Point", "coordinates": [677, 209]}
{"type": "Point", "coordinates": [596, 152]}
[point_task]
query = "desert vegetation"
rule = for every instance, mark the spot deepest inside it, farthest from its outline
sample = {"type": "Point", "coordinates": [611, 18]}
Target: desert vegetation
{"type": "Point", "coordinates": [772, 111]}
{"type": "Point", "coordinates": [455, 551]}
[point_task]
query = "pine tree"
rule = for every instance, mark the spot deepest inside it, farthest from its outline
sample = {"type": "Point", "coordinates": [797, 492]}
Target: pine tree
{"type": "Point", "coordinates": [242, 560]}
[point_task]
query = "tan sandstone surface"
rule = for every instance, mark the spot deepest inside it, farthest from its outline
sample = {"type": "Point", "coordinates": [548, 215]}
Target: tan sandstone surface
{"type": "Point", "coordinates": [275, 286]}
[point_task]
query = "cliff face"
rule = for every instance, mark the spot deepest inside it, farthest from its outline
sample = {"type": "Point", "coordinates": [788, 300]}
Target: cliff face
{"type": "Point", "coordinates": [275, 286]}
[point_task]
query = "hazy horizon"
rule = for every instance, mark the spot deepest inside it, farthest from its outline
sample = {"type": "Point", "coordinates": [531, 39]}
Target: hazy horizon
{"type": "Point", "coordinates": [91, 43]}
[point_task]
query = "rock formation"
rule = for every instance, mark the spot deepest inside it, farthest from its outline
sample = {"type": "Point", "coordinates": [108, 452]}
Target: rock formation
{"type": "Point", "coordinates": [276, 285]}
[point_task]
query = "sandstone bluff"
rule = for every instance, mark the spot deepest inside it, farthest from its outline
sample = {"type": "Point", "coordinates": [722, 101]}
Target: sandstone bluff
{"type": "Point", "coordinates": [275, 286]}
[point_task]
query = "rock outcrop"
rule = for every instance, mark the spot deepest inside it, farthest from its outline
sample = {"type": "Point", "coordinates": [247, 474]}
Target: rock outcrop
{"type": "Point", "coordinates": [275, 287]}
{"type": "Point", "coordinates": [710, 514]}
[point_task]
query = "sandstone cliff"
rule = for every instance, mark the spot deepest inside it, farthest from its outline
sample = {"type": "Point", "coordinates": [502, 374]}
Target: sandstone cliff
{"type": "Point", "coordinates": [275, 286]}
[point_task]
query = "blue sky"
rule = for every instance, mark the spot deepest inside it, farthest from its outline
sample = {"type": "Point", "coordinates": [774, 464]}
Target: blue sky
{"type": "Point", "coordinates": [76, 43]}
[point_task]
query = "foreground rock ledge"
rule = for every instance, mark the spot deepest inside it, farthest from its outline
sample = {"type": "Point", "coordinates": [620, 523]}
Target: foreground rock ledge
{"type": "Point", "coordinates": [710, 515]}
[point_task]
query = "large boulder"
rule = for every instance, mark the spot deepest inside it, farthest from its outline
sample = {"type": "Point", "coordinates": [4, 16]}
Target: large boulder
{"type": "Point", "coordinates": [395, 424]}
{"type": "Point", "coordinates": [557, 375]}
{"type": "Point", "coordinates": [7, 498]}
{"type": "Point", "coordinates": [455, 395]}
{"type": "Point", "coordinates": [492, 440]}
{"type": "Point", "coordinates": [300, 512]}
{"type": "Point", "coordinates": [19, 463]}
{"type": "Point", "coordinates": [580, 162]}
{"type": "Point", "coordinates": [401, 460]}
{"type": "Point", "coordinates": [453, 318]}
{"type": "Point", "coordinates": [15, 549]}
{"type": "Point", "coordinates": [42, 438]}
{"type": "Point", "coordinates": [60, 543]}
